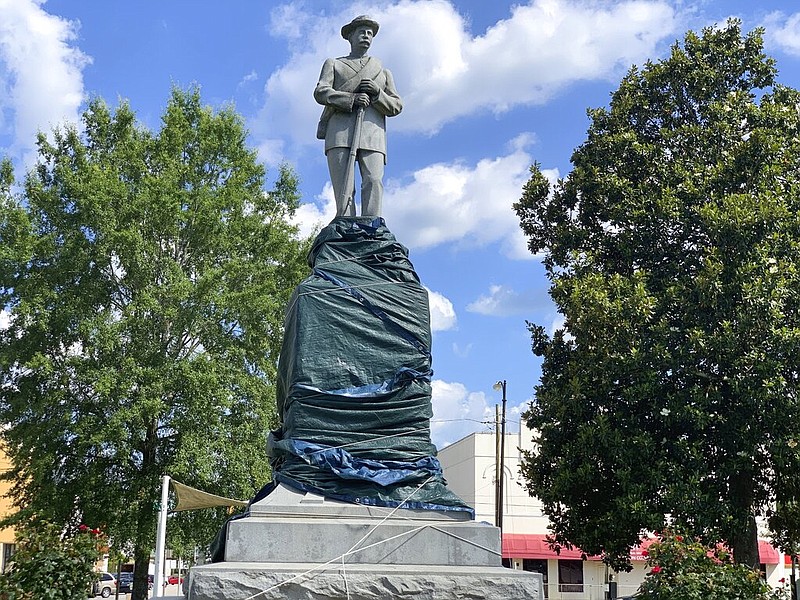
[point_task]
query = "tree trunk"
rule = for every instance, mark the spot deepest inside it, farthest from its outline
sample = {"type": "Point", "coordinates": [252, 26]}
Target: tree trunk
{"type": "Point", "coordinates": [145, 532]}
{"type": "Point", "coordinates": [141, 557]}
{"type": "Point", "coordinates": [744, 537]}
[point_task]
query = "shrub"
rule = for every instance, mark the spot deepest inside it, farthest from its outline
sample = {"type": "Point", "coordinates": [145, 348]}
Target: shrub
{"type": "Point", "coordinates": [684, 569]}
{"type": "Point", "coordinates": [51, 564]}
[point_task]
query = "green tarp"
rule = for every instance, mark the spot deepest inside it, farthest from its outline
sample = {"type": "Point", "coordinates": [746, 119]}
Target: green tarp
{"type": "Point", "coordinates": [354, 388]}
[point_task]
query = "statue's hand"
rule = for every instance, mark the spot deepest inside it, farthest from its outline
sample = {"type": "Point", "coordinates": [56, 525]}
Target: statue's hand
{"type": "Point", "coordinates": [368, 86]}
{"type": "Point", "coordinates": [361, 100]}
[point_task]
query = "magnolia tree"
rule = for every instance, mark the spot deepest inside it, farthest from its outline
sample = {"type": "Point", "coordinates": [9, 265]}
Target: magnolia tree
{"type": "Point", "coordinates": [673, 249]}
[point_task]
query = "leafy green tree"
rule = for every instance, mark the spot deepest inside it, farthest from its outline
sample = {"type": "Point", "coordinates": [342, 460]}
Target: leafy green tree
{"type": "Point", "coordinates": [51, 564]}
{"type": "Point", "coordinates": [684, 568]}
{"type": "Point", "coordinates": [145, 276]}
{"type": "Point", "coordinates": [673, 250]}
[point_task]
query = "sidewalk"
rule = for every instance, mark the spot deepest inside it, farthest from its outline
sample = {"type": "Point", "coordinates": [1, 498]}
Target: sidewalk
{"type": "Point", "coordinates": [171, 592]}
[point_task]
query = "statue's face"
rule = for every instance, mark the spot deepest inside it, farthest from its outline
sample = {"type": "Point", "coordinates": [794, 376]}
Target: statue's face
{"type": "Point", "coordinates": [361, 37]}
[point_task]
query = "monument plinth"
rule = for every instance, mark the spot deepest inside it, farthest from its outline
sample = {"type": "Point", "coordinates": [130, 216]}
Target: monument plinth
{"type": "Point", "coordinates": [360, 508]}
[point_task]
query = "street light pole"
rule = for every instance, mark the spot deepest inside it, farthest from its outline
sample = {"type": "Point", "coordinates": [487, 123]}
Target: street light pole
{"type": "Point", "coordinates": [498, 473]}
{"type": "Point", "coordinates": [501, 385]}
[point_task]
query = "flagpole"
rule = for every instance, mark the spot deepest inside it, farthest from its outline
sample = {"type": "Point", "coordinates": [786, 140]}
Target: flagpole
{"type": "Point", "coordinates": [161, 538]}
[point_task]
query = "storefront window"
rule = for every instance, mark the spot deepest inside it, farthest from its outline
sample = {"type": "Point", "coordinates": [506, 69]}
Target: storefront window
{"type": "Point", "coordinates": [570, 576]}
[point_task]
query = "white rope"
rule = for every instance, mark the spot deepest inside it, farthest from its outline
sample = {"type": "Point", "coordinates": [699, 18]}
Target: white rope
{"type": "Point", "coordinates": [466, 541]}
{"type": "Point", "coordinates": [295, 297]}
{"type": "Point", "coordinates": [344, 575]}
{"type": "Point", "coordinates": [357, 287]}
{"type": "Point", "coordinates": [338, 260]}
{"type": "Point", "coordinates": [373, 439]}
{"type": "Point", "coordinates": [396, 508]}
{"type": "Point", "coordinates": [355, 549]}
{"type": "Point", "coordinates": [333, 560]}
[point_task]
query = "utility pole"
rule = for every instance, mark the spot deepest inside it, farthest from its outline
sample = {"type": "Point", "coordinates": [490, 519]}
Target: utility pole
{"type": "Point", "coordinates": [501, 386]}
{"type": "Point", "coordinates": [498, 470]}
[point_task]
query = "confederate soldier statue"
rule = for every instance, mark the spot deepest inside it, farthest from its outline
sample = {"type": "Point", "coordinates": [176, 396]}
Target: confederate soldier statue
{"type": "Point", "coordinates": [358, 94]}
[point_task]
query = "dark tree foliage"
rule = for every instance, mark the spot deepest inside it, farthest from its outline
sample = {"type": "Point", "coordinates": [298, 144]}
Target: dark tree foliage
{"type": "Point", "coordinates": [673, 249]}
{"type": "Point", "coordinates": [144, 278]}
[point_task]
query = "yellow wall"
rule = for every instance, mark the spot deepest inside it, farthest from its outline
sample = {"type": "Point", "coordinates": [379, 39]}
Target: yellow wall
{"type": "Point", "coordinates": [7, 534]}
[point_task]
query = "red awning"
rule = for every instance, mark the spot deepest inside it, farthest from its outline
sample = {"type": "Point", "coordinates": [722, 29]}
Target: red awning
{"type": "Point", "coordinates": [534, 545]}
{"type": "Point", "coordinates": [639, 553]}
{"type": "Point", "coordinates": [767, 555]}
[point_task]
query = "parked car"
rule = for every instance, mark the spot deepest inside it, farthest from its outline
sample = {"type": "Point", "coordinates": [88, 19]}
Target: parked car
{"type": "Point", "coordinates": [125, 582]}
{"type": "Point", "coordinates": [174, 579]}
{"type": "Point", "coordinates": [105, 585]}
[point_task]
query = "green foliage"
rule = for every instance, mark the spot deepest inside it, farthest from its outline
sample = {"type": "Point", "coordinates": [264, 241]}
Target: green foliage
{"type": "Point", "coordinates": [687, 569]}
{"type": "Point", "coordinates": [673, 248]}
{"type": "Point", "coordinates": [52, 565]}
{"type": "Point", "coordinates": [145, 275]}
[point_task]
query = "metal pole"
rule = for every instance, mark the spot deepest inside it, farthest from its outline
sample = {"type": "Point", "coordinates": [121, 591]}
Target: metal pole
{"type": "Point", "coordinates": [161, 538]}
{"type": "Point", "coordinates": [497, 468]}
{"type": "Point", "coordinates": [502, 458]}
{"type": "Point", "coordinates": [119, 570]}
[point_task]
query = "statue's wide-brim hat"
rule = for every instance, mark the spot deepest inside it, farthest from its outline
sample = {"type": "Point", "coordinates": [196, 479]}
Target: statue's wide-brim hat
{"type": "Point", "coordinates": [348, 29]}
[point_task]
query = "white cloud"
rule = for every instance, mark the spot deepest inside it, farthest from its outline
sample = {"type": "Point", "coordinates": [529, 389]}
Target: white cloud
{"type": "Point", "coordinates": [783, 31]}
{"type": "Point", "coordinates": [312, 217]}
{"type": "Point", "coordinates": [457, 412]}
{"type": "Point", "coordinates": [5, 319]}
{"type": "Point", "coordinates": [502, 301]}
{"type": "Point", "coordinates": [558, 323]}
{"type": "Point", "coordinates": [451, 203]}
{"type": "Point", "coordinates": [249, 78]}
{"type": "Point", "coordinates": [444, 72]}
{"type": "Point", "coordinates": [459, 203]}
{"type": "Point", "coordinates": [462, 351]}
{"type": "Point", "coordinates": [443, 315]}
{"type": "Point", "coordinates": [39, 70]}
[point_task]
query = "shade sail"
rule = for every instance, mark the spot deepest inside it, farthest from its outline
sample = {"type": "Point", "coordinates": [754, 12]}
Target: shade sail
{"type": "Point", "coordinates": [190, 498]}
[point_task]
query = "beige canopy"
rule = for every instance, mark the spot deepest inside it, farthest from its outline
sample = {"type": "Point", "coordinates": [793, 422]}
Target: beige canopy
{"type": "Point", "coordinates": [190, 498]}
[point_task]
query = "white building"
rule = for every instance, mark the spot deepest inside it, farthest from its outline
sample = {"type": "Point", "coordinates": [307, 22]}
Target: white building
{"type": "Point", "coordinates": [469, 467]}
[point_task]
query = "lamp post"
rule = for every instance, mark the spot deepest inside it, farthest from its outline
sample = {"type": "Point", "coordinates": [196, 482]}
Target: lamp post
{"type": "Point", "coordinates": [501, 386]}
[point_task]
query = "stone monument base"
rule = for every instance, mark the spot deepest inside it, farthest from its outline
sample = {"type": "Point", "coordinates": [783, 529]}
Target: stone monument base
{"type": "Point", "coordinates": [297, 545]}
{"type": "Point", "coordinates": [288, 581]}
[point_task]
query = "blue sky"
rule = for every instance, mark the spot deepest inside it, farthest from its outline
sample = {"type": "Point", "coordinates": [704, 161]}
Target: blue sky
{"type": "Point", "coordinates": [489, 87]}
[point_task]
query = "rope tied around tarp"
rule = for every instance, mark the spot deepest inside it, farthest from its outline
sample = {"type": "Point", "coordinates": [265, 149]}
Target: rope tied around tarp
{"type": "Point", "coordinates": [355, 549]}
{"type": "Point", "coordinates": [378, 312]}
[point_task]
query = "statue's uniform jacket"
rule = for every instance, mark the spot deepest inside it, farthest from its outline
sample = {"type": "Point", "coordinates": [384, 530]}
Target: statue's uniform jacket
{"type": "Point", "coordinates": [335, 89]}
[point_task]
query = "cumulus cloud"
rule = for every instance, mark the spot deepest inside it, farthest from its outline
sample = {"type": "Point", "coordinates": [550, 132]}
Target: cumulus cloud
{"type": "Point", "coordinates": [443, 71]}
{"type": "Point", "coordinates": [451, 203]}
{"type": "Point", "coordinates": [467, 204]}
{"type": "Point", "coordinates": [503, 301]}
{"type": "Point", "coordinates": [443, 315]}
{"type": "Point", "coordinates": [313, 216]}
{"type": "Point", "coordinates": [457, 412]}
{"type": "Point", "coordinates": [783, 31]}
{"type": "Point", "coordinates": [40, 71]}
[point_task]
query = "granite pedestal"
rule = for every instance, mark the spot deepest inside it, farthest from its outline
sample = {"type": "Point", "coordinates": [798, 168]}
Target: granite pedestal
{"type": "Point", "coordinates": [294, 545]}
